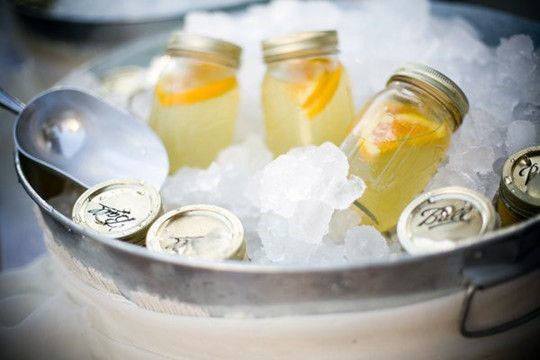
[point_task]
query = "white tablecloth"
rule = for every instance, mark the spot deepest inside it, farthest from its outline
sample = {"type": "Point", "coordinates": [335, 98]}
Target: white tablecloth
{"type": "Point", "coordinates": [40, 319]}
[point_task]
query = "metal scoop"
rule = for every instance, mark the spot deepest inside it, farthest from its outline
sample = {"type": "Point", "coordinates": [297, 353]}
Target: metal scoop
{"type": "Point", "coordinates": [86, 139]}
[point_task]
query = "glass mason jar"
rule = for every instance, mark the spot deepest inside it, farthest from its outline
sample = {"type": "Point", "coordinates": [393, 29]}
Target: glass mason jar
{"type": "Point", "coordinates": [400, 137]}
{"type": "Point", "coordinates": [306, 95]}
{"type": "Point", "coordinates": [196, 99]}
{"type": "Point", "coordinates": [518, 198]}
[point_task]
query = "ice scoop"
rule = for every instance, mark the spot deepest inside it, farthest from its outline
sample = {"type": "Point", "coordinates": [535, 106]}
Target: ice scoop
{"type": "Point", "coordinates": [86, 139]}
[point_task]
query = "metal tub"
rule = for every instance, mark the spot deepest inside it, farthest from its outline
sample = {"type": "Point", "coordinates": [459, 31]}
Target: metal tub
{"type": "Point", "coordinates": [221, 289]}
{"type": "Point", "coordinates": [189, 288]}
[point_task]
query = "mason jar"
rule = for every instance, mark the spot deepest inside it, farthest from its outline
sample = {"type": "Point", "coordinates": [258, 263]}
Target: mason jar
{"type": "Point", "coordinates": [198, 231]}
{"type": "Point", "coordinates": [518, 198]}
{"type": "Point", "coordinates": [445, 219]}
{"type": "Point", "coordinates": [400, 137]}
{"type": "Point", "coordinates": [196, 99]}
{"type": "Point", "coordinates": [306, 95]}
{"type": "Point", "coordinates": [122, 209]}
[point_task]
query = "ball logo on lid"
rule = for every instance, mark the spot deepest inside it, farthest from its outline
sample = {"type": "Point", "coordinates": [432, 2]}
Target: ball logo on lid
{"type": "Point", "coordinates": [519, 191]}
{"type": "Point", "coordinates": [198, 231]}
{"type": "Point", "coordinates": [120, 208]}
{"type": "Point", "coordinates": [433, 217]}
{"type": "Point", "coordinates": [448, 218]}
{"type": "Point", "coordinates": [528, 171]}
{"type": "Point", "coordinates": [110, 217]}
{"type": "Point", "coordinates": [444, 219]}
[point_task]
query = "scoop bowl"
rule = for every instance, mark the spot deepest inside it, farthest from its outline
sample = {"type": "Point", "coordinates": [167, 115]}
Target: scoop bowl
{"type": "Point", "coordinates": [86, 139]}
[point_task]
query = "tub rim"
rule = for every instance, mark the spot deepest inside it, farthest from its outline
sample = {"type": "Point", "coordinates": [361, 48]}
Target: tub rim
{"type": "Point", "coordinates": [491, 238]}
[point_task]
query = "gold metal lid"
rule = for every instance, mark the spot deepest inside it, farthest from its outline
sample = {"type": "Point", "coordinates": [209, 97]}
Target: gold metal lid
{"type": "Point", "coordinates": [122, 209]}
{"type": "Point", "coordinates": [444, 219]}
{"type": "Point", "coordinates": [198, 231]}
{"type": "Point", "coordinates": [438, 85]}
{"type": "Point", "coordinates": [204, 48]}
{"type": "Point", "coordinates": [520, 183]}
{"type": "Point", "coordinates": [302, 44]}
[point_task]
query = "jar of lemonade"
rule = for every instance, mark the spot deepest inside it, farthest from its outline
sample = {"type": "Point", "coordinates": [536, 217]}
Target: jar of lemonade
{"type": "Point", "coordinates": [196, 99]}
{"type": "Point", "coordinates": [400, 137]}
{"type": "Point", "coordinates": [306, 95]}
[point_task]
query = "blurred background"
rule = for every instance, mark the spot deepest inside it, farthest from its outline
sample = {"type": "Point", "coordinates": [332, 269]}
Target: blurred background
{"type": "Point", "coordinates": [43, 40]}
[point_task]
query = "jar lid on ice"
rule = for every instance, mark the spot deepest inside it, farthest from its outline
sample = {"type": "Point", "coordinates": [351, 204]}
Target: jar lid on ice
{"type": "Point", "coordinates": [198, 231]}
{"type": "Point", "coordinates": [520, 183]}
{"type": "Point", "coordinates": [444, 219]}
{"type": "Point", "coordinates": [122, 209]}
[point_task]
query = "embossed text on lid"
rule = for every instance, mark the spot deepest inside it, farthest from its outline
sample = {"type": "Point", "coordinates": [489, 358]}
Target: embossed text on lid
{"type": "Point", "coordinates": [520, 183]}
{"type": "Point", "coordinates": [444, 219]}
{"type": "Point", "coordinates": [118, 208]}
{"type": "Point", "coordinates": [198, 231]}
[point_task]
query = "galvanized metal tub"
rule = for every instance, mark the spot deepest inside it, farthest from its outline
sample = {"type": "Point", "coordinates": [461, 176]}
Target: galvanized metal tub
{"type": "Point", "coordinates": [196, 288]}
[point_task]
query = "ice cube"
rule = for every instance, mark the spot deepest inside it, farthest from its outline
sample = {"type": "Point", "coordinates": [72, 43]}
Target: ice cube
{"type": "Point", "coordinates": [515, 59]}
{"type": "Point", "coordinates": [328, 253]}
{"type": "Point", "coordinates": [500, 82]}
{"type": "Point", "coordinates": [341, 222]}
{"type": "Point", "coordinates": [365, 243]}
{"type": "Point", "coordinates": [278, 243]}
{"type": "Point", "coordinates": [310, 221]}
{"type": "Point", "coordinates": [299, 192]}
{"type": "Point", "coordinates": [521, 134]}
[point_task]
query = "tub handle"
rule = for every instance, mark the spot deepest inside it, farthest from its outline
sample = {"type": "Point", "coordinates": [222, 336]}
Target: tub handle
{"type": "Point", "coordinates": [485, 277]}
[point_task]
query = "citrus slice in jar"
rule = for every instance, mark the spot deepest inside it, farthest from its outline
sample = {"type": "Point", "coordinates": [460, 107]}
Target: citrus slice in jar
{"type": "Point", "coordinates": [318, 87]}
{"type": "Point", "coordinates": [168, 97]}
{"type": "Point", "coordinates": [323, 92]}
{"type": "Point", "coordinates": [412, 128]}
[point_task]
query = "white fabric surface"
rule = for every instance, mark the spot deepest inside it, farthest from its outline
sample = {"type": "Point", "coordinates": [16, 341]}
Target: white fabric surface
{"type": "Point", "coordinates": [39, 319]}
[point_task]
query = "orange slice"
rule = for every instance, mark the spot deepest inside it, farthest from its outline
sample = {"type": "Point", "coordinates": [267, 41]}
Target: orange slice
{"type": "Point", "coordinates": [323, 92]}
{"type": "Point", "coordinates": [413, 128]}
{"type": "Point", "coordinates": [195, 95]}
{"type": "Point", "coordinates": [319, 86]}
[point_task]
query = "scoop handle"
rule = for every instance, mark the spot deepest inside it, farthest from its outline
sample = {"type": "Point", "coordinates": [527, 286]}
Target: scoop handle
{"type": "Point", "coordinates": [10, 102]}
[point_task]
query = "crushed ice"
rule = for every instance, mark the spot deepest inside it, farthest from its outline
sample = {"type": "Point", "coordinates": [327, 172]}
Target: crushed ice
{"type": "Point", "coordinates": [293, 211]}
{"type": "Point", "coordinates": [287, 205]}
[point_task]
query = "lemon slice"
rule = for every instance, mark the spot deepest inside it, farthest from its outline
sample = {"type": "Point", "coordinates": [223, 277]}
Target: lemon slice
{"type": "Point", "coordinates": [195, 95]}
{"type": "Point", "coordinates": [368, 150]}
{"type": "Point", "coordinates": [417, 129]}
{"type": "Point", "coordinates": [319, 86]}
{"type": "Point", "coordinates": [323, 92]}
{"type": "Point", "coordinates": [411, 127]}
{"type": "Point", "coordinates": [311, 72]}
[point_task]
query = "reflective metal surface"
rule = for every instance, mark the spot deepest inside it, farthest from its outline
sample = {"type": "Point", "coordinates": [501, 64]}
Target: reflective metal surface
{"type": "Point", "coordinates": [444, 219]}
{"type": "Point", "coordinates": [198, 231]}
{"type": "Point", "coordinates": [309, 43]}
{"type": "Point", "coordinates": [438, 85]}
{"type": "Point", "coordinates": [204, 48]}
{"type": "Point", "coordinates": [520, 183]}
{"type": "Point", "coordinates": [120, 209]}
{"type": "Point", "coordinates": [88, 140]}
{"type": "Point", "coordinates": [195, 287]}
{"type": "Point", "coordinates": [200, 288]}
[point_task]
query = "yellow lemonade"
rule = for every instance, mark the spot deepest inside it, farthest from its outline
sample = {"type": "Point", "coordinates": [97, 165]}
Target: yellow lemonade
{"type": "Point", "coordinates": [396, 158]}
{"type": "Point", "coordinates": [195, 115]}
{"type": "Point", "coordinates": [306, 95]}
{"type": "Point", "coordinates": [196, 99]}
{"type": "Point", "coordinates": [400, 138]}
{"type": "Point", "coordinates": [306, 102]}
